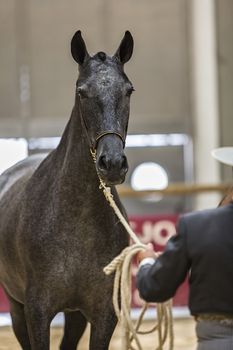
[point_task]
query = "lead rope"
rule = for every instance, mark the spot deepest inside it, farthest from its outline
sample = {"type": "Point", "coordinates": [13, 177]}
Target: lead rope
{"type": "Point", "coordinates": [121, 265]}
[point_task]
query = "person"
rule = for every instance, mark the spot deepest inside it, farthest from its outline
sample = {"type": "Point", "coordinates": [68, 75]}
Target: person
{"type": "Point", "coordinates": [203, 250]}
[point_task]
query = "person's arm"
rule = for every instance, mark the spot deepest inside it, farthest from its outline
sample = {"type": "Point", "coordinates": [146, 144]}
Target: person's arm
{"type": "Point", "coordinates": [158, 281]}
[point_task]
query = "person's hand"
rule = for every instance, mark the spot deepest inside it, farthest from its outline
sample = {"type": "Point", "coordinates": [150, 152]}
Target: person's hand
{"type": "Point", "coordinates": [148, 253]}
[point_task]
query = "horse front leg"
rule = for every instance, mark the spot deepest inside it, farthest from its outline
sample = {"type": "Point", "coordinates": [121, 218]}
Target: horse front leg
{"type": "Point", "coordinates": [19, 323]}
{"type": "Point", "coordinates": [102, 329]}
{"type": "Point", "coordinates": [38, 314]}
{"type": "Point", "coordinates": [75, 324]}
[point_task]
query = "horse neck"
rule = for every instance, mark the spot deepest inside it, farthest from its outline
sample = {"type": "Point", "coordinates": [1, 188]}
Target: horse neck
{"type": "Point", "coordinates": [73, 153]}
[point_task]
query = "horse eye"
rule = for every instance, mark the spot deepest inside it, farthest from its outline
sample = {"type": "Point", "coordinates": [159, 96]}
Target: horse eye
{"type": "Point", "coordinates": [129, 91]}
{"type": "Point", "coordinates": [82, 93]}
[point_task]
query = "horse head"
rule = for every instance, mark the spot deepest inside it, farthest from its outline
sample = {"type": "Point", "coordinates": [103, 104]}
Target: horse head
{"type": "Point", "coordinates": [103, 98]}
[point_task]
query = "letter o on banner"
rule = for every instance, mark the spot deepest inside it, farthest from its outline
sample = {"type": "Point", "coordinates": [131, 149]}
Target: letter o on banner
{"type": "Point", "coordinates": [163, 225]}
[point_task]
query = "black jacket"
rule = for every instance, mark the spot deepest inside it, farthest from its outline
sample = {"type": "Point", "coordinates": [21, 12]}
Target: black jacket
{"type": "Point", "coordinates": [203, 248]}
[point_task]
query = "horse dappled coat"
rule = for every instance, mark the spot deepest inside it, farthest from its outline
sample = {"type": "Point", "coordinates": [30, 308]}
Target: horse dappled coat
{"type": "Point", "coordinates": [57, 231]}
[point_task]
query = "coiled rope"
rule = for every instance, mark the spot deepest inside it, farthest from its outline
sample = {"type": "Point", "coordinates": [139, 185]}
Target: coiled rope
{"type": "Point", "coordinates": [121, 266]}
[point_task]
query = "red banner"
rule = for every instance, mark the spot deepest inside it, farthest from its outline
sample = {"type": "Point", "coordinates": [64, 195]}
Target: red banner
{"type": "Point", "coordinates": [4, 305]}
{"type": "Point", "coordinates": [156, 229]}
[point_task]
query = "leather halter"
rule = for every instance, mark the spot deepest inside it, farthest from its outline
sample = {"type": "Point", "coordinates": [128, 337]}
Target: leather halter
{"type": "Point", "coordinates": [99, 136]}
{"type": "Point", "coordinates": [109, 132]}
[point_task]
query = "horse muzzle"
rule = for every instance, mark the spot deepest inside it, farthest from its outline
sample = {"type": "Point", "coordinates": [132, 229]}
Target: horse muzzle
{"type": "Point", "coordinates": [112, 171]}
{"type": "Point", "coordinates": [111, 162]}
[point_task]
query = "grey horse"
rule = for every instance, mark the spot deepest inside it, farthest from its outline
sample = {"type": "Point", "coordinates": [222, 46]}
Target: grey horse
{"type": "Point", "coordinates": [57, 231]}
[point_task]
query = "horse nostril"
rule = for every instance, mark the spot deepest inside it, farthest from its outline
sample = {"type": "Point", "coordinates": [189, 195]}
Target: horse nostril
{"type": "Point", "coordinates": [103, 163]}
{"type": "Point", "coordinates": [124, 163]}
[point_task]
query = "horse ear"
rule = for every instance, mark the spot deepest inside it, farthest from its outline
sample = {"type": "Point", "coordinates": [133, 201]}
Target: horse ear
{"type": "Point", "coordinates": [78, 48]}
{"type": "Point", "coordinates": [125, 50]}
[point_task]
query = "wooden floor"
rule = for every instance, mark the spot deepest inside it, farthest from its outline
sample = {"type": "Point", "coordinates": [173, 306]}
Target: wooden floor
{"type": "Point", "coordinates": [184, 338]}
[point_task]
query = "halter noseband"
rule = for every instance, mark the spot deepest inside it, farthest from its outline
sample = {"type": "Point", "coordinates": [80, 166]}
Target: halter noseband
{"type": "Point", "coordinates": [110, 132]}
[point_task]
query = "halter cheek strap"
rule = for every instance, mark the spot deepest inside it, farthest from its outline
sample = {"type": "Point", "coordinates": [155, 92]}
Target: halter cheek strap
{"type": "Point", "coordinates": [99, 136]}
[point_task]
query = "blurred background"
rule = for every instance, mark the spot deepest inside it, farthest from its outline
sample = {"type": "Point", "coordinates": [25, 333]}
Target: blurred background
{"type": "Point", "coordinates": [182, 70]}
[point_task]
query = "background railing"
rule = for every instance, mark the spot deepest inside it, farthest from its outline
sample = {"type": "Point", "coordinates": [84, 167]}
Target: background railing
{"type": "Point", "coordinates": [175, 189]}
